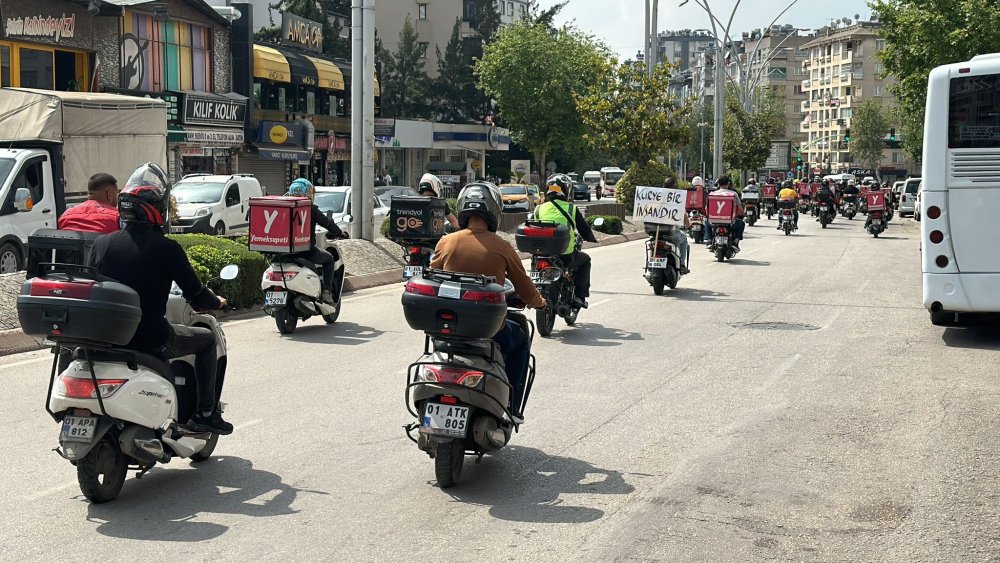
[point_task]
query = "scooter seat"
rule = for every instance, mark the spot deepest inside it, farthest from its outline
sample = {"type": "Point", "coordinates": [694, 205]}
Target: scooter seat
{"type": "Point", "coordinates": [481, 348]}
{"type": "Point", "coordinates": [155, 363]}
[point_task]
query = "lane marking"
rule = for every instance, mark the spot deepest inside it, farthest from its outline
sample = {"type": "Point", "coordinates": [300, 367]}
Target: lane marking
{"type": "Point", "coordinates": [247, 424]}
{"type": "Point", "coordinates": [602, 302]}
{"type": "Point", "coordinates": [42, 494]}
{"type": "Point", "coordinates": [752, 251]}
{"type": "Point", "coordinates": [25, 362]}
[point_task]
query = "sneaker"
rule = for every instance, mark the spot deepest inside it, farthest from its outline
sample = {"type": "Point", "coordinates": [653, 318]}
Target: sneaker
{"type": "Point", "coordinates": [685, 271]}
{"type": "Point", "coordinates": [213, 424]}
{"type": "Point", "coordinates": [327, 296]}
{"type": "Point", "coordinates": [581, 303]}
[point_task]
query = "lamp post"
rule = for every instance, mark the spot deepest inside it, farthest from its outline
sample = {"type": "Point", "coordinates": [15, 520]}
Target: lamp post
{"type": "Point", "coordinates": [701, 153]}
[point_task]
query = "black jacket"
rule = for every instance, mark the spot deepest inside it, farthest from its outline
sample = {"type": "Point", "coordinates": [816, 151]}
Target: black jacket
{"type": "Point", "coordinates": [320, 218]}
{"type": "Point", "coordinates": [147, 261]}
{"type": "Point", "coordinates": [824, 194]}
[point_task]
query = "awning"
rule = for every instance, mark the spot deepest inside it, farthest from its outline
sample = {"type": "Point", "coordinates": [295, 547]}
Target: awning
{"type": "Point", "coordinates": [346, 71]}
{"type": "Point", "coordinates": [269, 151]}
{"type": "Point", "coordinates": [330, 76]}
{"type": "Point", "coordinates": [303, 70]}
{"type": "Point", "coordinates": [270, 64]}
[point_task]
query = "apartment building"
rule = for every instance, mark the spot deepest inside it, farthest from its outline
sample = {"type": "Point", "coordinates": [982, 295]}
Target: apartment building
{"type": "Point", "coordinates": [842, 70]}
{"type": "Point", "coordinates": [773, 59]}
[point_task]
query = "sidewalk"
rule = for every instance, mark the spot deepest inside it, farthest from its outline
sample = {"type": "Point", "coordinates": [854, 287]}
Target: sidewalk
{"type": "Point", "coordinates": [369, 264]}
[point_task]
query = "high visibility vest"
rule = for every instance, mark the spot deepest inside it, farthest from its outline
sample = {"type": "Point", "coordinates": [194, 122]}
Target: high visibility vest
{"type": "Point", "coordinates": [548, 212]}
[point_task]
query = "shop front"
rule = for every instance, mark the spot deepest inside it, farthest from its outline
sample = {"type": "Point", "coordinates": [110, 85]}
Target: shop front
{"type": "Point", "coordinates": [459, 151]}
{"type": "Point", "coordinates": [46, 44]}
{"type": "Point", "coordinates": [281, 152]}
{"type": "Point", "coordinates": [205, 132]}
{"type": "Point", "coordinates": [400, 145]}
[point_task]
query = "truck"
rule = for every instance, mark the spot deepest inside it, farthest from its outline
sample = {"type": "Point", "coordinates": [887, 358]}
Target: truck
{"type": "Point", "coordinates": [51, 143]}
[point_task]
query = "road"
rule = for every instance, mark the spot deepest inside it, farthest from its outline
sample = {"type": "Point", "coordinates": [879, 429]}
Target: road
{"type": "Point", "coordinates": [793, 404]}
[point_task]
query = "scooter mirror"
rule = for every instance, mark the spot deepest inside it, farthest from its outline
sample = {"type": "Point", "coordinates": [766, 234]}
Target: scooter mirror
{"type": "Point", "coordinates": [230, 272]}
{"type": "Point", "coordinates": [348, 218]}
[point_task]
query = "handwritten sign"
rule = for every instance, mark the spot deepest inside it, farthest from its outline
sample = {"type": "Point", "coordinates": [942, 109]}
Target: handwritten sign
{"type": "Point", "coordinates": [660, 205]}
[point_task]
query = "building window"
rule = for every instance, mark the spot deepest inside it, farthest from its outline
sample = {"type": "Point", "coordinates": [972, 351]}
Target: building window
{"type": "Point", "coordinates": [879, 44]}
{"type": "Point", "coordinates": [503, 9]}
{"type": "Point", "coordinates": [879, 71]}
{"type": "Point", "coordinates": [36, 68]}
{"type": "Point", "coordinates": [877, 90]}
{"type": "Point", "coordinates": [423, 46]}
{"type": "Point", "coordinates": [898, 158]}
{"type": "Point", "coordinates": [421, 11]}
{"type": "Point", "coordinates": [171, 55]}
{"type": "Point", "coordinates": [510, 7]}
{"type": "Point", "coordinates": [5, 66]}
{"type": "Point", "coordinates": [846, 113]}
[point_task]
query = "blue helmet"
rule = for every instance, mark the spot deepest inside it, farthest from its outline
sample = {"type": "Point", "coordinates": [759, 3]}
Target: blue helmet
{"type": "Point", "coordinates": [300, 187]}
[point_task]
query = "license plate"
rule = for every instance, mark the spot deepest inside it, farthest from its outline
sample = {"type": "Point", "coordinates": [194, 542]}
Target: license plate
{"type": "Point", "coordinates": [177, 230]}
{"type": "Point", "coordinates": [275, 297]}
{"type": "Point", "coordinates": [79, 428]}
{"type": "Point", "coordinates": [721, 240]}
{"type": "Point", "coordinates": [410, 271]}
{"type": "Point", "coordinates": [659, 263]}
{"type": "Point", "coordinates": [536, 277]}
{"type": "Point", "coordinates": [445, 420]}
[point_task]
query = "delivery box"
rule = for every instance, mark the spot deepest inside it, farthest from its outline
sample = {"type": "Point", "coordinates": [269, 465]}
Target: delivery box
{"type": "Point", "coordinates": [721, 209]}
{"type": "Point", "coordinates": [769, 191]}
{"type": "Point", "coordinates": [875, 200]}
{"type": "Point", "coordinates": [695, 199]}
{"type": "Point", "coordinates": [279, 224]}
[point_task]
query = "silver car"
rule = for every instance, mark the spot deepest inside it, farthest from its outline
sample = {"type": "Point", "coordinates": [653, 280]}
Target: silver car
{"type": "Point", "coordinates": [908, 199]}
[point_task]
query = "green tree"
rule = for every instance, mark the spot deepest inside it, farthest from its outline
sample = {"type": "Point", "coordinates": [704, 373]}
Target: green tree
{"type": "Point", "coordinates": [648, 173]}
{"type": "Point", "coordinates": [406, 90]}
{"type": "Point", "coordinates": [869, 126]}
{"type": "Point", "coordinates": [748, 134]}
{"type": "Point", "coordinates": [698, 145]}
{"type": "Point", "coordinates": [534, 75]}
{"type": "Point", "coordinates": [634, 115]}
{"type": "Point", "coordinates": [457, 96]}
{"type": "Point", "coordinates": [923, 34]}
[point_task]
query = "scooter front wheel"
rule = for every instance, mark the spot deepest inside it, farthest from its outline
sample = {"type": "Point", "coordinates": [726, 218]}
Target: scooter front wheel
{"type": "Point", "coordinates": [448, 461]}
{"type": "Point", "coordinates": [286, 320]}
{"type": "Point", "coordinates": [546, 320]}
{"type": "Point", "coordinates": [101, 473]}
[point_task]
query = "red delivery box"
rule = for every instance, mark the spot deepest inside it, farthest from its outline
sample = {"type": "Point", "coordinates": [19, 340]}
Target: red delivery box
{"type": "Point", "coordinates": [721, 208]}
{"type": "Point", "coordinates": [769, 191]}
{"type": "Point", "coordinates": [815, 186]}
{"type": "Point", "coordinates": [875, 200]}
{"type": "Point", "coordinates": [280, 224]}
{"type": "Point", "coordinates": [804, 190]}
{"type": "Point", "coordinates": [695, 199]}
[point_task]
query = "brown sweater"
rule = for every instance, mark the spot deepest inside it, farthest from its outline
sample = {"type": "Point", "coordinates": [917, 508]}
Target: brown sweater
{"type": "Point", "coordinates": [478, 251]}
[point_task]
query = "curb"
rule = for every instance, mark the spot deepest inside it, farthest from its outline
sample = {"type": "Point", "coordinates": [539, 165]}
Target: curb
{"type": "Point", "coordinates": [15, 342]}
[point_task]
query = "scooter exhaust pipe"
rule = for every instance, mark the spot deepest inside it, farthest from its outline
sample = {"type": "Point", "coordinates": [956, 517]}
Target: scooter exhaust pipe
{"type": "Point", "coordinates": [152, 447]}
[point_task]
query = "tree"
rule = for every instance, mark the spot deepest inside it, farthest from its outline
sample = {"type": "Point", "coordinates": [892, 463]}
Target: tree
{"type": "Point", "coordinates": [748, 134]}
{"type": "Point", "coordinates": [923, 34]}
{"type": "Point", "coordinates": [634, 115]}
{"type": "Point", "coordinates": [316, 10]}
{"type": "Point", "coordinates": [647, 173]}
{"type": "Point", "coordinates": [534, 75]}
{"type": "Point", "coordinates": [546, 17]}
{"type": "Point", "coordinates": [458, 98]}
{"type": "Point", "coordinates": [869, 127]}
{"type": "Point", "coordinates": [407, 87]}
{"type": "Point", "coordinates": [697, 147]}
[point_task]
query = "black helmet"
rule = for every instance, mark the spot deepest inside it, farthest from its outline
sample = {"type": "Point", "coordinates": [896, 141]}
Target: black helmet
{"type": "Point", "coordinates": [787, 184]}
{"type": "Point", "coordinates": [558, 186]}
{"type": "Point", "coordinates": [146, 196]}
{"type": "Point", "coordinates": [482, 199]}
{"type": "Point", "coordinates": [825, 183]}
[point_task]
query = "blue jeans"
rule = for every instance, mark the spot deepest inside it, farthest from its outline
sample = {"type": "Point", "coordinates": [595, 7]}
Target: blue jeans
{"type": "Point", "coordinates": [680, 240]}
{"type": "Point", "coordinates": [515, 347]}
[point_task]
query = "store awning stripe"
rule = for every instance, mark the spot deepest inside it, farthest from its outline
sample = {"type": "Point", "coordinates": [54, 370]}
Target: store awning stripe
{"type": "Point", "coordinates": [303, 71]}
{"type": "Point", "coordinates": [269, 64]}
{"type": "Point", "coordinates": [330, 76]}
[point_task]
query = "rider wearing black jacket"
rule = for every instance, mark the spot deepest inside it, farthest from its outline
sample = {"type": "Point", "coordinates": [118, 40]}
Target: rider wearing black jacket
{"type": "Point", "coordinates": [825, 196]}
{"type": "Point", "coordinates": [304, 188]}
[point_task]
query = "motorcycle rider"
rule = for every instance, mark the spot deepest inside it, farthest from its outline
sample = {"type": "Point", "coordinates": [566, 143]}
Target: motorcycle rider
{"type": "Point", "coordinates": [726, 188]}
{"type": "Point", "coordinates": [304, 188]}
{"type": "Point", "coordinates": [674, 234]}
{"type": "Point", "coordinates": [557, 209]}
{"type": "Point", "coordinates": [143, 258]}
{"type": "Point", "coordinates": [431, 186]}
{"type": "Point", "coordinates": [477, 249]}
{"type": "Point", "coordinates": [787, 199]}
{"type": "Point", "coordinates": [698, 183]}
{"type": "Point", "coordinates": [824, 197]}
{"type": "Point", "coordinates": [751, 186]}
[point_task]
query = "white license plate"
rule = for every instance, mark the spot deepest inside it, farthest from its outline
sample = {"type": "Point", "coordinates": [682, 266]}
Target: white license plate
{"type": "Point", "coordinates": [536, 277]}
{"type": "Point", "coordinates": [445, 420]}
{"type": "Point", "coordinates": [177, 230]}
{"type": "Point", "coordinates": [410, 271]}
{"type": "Point", "coordinates": [659, 263]}
{"type": "Point", "coordinates": [721, 240]}
{"type": "Point", "coordinates": [79, 428]}
{"type": "Point", "coordinates": [275, 297]}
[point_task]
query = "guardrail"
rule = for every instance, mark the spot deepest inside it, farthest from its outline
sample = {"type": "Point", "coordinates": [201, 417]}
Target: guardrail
{"type": "Point", "coordinates": [609, 209]}
{"type": "Point", "coordinates": [510, 221]}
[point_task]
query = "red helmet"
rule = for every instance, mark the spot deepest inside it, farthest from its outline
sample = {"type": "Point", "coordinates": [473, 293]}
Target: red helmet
{"type": "Point", "coordinates": [145, 197]}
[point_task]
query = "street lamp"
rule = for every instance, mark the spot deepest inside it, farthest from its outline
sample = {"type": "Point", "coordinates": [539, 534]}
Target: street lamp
{"type": "Point", "coordinates": [701, 153]}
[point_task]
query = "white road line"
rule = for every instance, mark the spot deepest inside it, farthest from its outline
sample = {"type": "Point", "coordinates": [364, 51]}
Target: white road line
{"type": "Point", "coordinates": [246, 425]}
{"type": "Point", "coordinates": [42, 494]}
{"type": "Point", "coordinates": [602, 302]}
{"type": "Point", "coordinates": [26, 362]}
{"type": "Point", "coordinates": [752, 251]}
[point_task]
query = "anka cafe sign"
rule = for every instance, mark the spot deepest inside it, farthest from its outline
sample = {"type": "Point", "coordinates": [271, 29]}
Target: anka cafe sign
{"type": "Point", "coordinates": [300, 32]}
{"type": "Point", "coordinates": [48, 27]}
{"type": "Point", "coordinates": [214, 111]}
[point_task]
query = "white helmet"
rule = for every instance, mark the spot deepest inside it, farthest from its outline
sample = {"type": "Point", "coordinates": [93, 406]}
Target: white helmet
{"type": "Point", "coordinates": [697, 181]}
{"type": "Point", "coordinates": [430, 182]}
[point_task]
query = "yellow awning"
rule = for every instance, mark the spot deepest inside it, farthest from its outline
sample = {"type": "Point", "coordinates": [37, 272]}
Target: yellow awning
{"type": "Point", "coordinates": [329, 74]}
{"type": "Point", "coordinates": [269, 64]}
{"type": "Point", "coordinates": [378, 88]}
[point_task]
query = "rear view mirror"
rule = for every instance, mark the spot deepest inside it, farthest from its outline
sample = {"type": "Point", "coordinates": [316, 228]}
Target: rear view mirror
{"type": "Point", "coordinates": [230, 272]}
{"type": "Point", "coordinates": [599, 222]}
{"type": "Point", "coordinates": [22, 200]}
{"type": "Point", "coordinates": [348, 218]}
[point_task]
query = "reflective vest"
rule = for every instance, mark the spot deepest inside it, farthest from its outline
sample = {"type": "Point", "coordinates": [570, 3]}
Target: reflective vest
{"type": "Point", "coordinates": [548, 212]}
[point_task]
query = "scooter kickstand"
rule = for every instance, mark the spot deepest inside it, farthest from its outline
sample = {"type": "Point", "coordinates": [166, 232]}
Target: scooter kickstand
{"type": "Point", "coordinates": [143, 470]}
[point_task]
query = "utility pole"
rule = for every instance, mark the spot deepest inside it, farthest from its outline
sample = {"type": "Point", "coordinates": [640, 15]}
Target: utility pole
{"type": "Point", "coordinates": [368, 174]}
{"type": "Point", "coordinates": [362, 118]}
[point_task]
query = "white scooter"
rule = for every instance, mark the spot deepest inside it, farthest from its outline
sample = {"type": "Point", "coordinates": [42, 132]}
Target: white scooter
{"type": "Point", "coordinates": [120, 409]}
{"type": "Point", "coordinates": [293, 290]}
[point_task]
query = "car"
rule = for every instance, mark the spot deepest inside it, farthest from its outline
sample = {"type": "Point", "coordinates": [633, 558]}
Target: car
{"type": "Point", "coordinates": [385, 193]}
{"type": "Point", "coordinates": [916, 204]}
{"type": "Point", "coordinates": [516, 198]}
{"type": "Point", "coordinates": [897, 191]}
{"type": "Point", "coordinates": [535, 196]}
{"type": "Point", "coordinates": [908, 199]}
{"type": "Point", "coordinates": [214, 204]}
{"type": "Point", "coordinates": [581, 191]}
{"type": "Point", "coordinates": [335, 201]}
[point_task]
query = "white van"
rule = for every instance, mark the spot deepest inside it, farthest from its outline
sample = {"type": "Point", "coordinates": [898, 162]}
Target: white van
{"type": "Point", "coordinates": [592, 178]}
{"type": "Point", "coordinates": [214, 204]}
{"type": "Point", "coordinates": [837, 178]}
{"type": "Point", "coordinates": [609, 177]}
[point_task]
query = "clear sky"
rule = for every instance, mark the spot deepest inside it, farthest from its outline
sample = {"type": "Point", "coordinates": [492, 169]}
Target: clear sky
{"type": "Point", "coordinates": [619, 23]}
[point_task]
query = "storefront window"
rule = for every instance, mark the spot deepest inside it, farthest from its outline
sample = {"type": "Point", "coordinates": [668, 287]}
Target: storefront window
{"type": "Point", "coordinates": [310, 102]}
{"type": "Point", "coordinates": [36, 68]}
{"type": "Point", "coordinates": [5, 66]}
{"type": "Point", "coordinates": [166, 55]}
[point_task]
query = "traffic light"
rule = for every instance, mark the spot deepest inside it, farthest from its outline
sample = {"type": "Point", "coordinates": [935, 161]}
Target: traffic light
{"type": "Point", "coordinates": [847, 135]}
{"type": "Point", "coordinates": [892, 134]}
{"type": "Point", "coordinates": [798, 164]}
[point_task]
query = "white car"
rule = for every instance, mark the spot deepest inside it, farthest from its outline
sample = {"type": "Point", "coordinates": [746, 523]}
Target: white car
{"type": "Point", "coordinates": [213, 204]}
{"type": "Point", "coordinates": [335, 201]}
{"type": "Point", "coordinates": [908, 199]}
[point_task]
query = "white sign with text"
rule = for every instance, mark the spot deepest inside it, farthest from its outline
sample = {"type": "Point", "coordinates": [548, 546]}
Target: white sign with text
{"type": "Point", "coordinates": [660, 205]}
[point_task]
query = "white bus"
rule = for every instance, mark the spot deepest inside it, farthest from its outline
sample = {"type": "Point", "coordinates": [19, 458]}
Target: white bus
{"type": "Point", "coordinates": [960, 197]}
{"type": "Point", "coordinates": [609, 177]}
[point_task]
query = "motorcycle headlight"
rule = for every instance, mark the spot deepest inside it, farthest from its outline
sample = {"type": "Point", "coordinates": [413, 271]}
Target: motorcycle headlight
{"type": "Point", "coordinates": [203, 212]}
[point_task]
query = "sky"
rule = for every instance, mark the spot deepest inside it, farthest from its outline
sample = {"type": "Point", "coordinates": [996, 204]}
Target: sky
{"type": "Point", "coordinates": [619, 23]}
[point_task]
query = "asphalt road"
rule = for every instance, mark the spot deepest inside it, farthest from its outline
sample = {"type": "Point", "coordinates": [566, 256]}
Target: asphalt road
{"type": "Point", "coordinates": [792, 404]}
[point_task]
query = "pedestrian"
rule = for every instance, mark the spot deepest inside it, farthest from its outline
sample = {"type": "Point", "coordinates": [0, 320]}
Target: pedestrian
{"type": "Point", "coordinates": [99, 213]}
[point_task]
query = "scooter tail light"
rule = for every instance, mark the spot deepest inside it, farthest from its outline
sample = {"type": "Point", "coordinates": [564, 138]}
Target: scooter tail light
{"type": "Point", "coordinates": [413, 286]}
{"type": "Point", "coordinates": [415, 250]}
{"type": "Point", "coordinates": [484, 296]}
{"type": "Point", "coordinates": [542, 264]}
{"type": "Point", "coordinates": [83, 388]}
{"type": "Point", "coordinates": [277, 276]}
{"type": "Point", "coordinates": [449, 374]}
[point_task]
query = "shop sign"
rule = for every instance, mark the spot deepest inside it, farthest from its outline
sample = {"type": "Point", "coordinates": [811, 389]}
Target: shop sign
{"type": "Point", "coordinates": [192, 151]}
{"type": "Point", "coordinates": [385, 128]}
{"type": "Point", "coordinates": [234, 137]}
{"type": "Point", "coordinates": [282, 133]}
{"type": "Point", "coordinates": [214, 111]}
{"type": "Point", "coordinates": [42, 26]}
{"type": "Point", "coordinates": [300, 32]}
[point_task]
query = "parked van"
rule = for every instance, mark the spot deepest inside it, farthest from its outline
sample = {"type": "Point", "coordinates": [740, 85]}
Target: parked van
{"type": "Point", "coordinates": [214, 204]}
{"type": "Point", "coordinates": [609, 177]}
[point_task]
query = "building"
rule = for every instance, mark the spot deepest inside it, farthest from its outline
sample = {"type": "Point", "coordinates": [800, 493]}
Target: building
{"type": "Point", "coordinates": [773, 59]}
{"type": "Point", "coordinates": [842, 70]}
{"type": "Point", "coordinates": [432, 21]}
{"type": "Point", "coordinates": [511, 11]}
{"type": "Point", "coordinates": [680, 47]}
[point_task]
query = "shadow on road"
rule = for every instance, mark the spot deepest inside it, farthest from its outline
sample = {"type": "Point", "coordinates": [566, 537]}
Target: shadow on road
{"type": "Point", "coordinates": [983, 335]}
{"type": "Point", "coordinates": [164, 505]}
{"type": "Point", "coordinates": [591, 334]}
{"type": "Point", "coordinates": [535, 496]}
{"type": "Point", "coordinates": [692, 294]}
{"type": "Point", "coordinates": [338, 333]}
{"type": "Point", "coordinates": [745, 262]}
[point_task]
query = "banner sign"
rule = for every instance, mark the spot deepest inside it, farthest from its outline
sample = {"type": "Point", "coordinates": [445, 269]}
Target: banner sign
{"type": "Point", "coordinates": [300, 32]}
{"type": "Point", "coordinates": [214, 111]}
{"type": "Point", "coordinates": [44, 26]}
{"type": "Point", "coordinates": [660, 205]}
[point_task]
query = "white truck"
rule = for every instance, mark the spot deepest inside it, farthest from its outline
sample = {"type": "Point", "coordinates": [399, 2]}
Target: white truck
{"type": "Point", "coordinates": [51, 143]}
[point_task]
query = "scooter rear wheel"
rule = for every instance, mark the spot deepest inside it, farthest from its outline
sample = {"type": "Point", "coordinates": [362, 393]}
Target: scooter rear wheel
{"type": "Point", "coordinates": [658, 283]}
{"type": "Point", "coordinates": [207, 451]}
{"type": "Point", "coordinates": [101, 473]}
{"type": "Point", "coordinates": [720, 254]}
{"type": "Point", "coordinates": [671, 278]}
{"type": "Point", "coordinates": [448, 462]}
{"type": "Point", "coordinates": [546, 320]}
{"type": "Point", "coordinates": [286, 320]}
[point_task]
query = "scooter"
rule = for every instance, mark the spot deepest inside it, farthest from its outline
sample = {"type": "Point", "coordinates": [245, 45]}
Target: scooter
{"type": "Point", "coordinates": [723, 242]}
{"type": "Point", "coordinates": [751, 211]}
{"type": "Point", "coordinates": [119, 409]}
{"type": "Point", "coordinates": [770, 206]}
{"type": "Point", "coordinates": [876, 223]}
{"type": "Point", "coordinates": [825, 211]}
{"type": "Point", "coordinates": [416, 256]}
{"type": "Point", "coordinates": [293, 290]}
{"type": "Point", "coordinates": [786, 221]}
{"type": "Point", "coordinates": [697, 230]}
{"type": "Point", "coordinates": [552, 276]}
{"type": "Point", "coordinates": [663, 261]}
{"type": "Point", "coordinates": [458, 391]}
{"type": "Point", "coordinates": [850, 206]}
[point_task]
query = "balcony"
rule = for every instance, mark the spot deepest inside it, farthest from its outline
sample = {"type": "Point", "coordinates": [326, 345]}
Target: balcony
{"type": "Point", "coordinates": [845, 77]}
{"type": "Point", "coordinates": [804, 126]}
{"type": "Point", "coordinates": [806, 84]}
{"type": "Point", "coordinates": [807, 63]}
{"type": "Point", "coordinates": [805, 105]}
